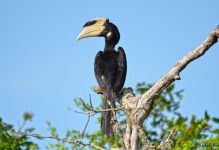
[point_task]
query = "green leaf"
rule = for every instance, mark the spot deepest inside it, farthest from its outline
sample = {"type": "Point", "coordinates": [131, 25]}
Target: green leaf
{"type": "Point", "coordinates": [207, 117]}
{"type": "Point", "coordinates": [216, 120]}
{"type": "Point", "coordinates": [216, 131]}
{"type": "Point", "coordinates": [170, 88]}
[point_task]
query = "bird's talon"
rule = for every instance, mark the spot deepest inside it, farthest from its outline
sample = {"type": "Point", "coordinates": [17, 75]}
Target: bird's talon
{"type": "Point", "coordinates": [98, 90]}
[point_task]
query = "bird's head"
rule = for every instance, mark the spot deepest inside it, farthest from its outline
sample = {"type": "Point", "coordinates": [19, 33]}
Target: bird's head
{"type": "Point", "coordinates": [101, 27]}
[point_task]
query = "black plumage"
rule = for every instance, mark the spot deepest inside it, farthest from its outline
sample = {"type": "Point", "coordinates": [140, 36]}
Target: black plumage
{"type": "Point", "coordinates": [110, 71]}
{"type": "Point", "coordinates": [110, 67]}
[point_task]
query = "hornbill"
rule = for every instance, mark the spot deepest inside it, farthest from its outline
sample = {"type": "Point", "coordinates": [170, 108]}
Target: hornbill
{"type": "Point", "coordinates": [110, 67]}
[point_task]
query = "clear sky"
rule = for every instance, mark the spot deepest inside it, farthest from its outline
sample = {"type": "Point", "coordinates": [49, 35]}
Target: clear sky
{"type": "Point", "coordinates": [43, 68]}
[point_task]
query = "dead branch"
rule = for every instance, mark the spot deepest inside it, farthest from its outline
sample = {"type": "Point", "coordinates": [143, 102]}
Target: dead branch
{"type": "Point", "coordinates": [147, 99]}
{"type": "Point", "coordinates": [140, 107]}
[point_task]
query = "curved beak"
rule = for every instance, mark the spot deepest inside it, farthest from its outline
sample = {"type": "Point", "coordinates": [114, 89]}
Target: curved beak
{"type": "Point", "coordinates": [89, 31]}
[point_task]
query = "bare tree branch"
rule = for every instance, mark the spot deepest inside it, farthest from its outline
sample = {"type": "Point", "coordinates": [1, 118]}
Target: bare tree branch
{"type": "Point", "coordinates": [147, 99]}
{"type": "Point", "coordinates": [75, 142]}
{"type": "Point", "coordinates": [83, 132]}
{"type": "Point", "coordinates": [140, 107]}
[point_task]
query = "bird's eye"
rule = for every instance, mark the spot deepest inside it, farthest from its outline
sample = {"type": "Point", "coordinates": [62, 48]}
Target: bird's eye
{"type": "Point", "coordinates": [89, 23]}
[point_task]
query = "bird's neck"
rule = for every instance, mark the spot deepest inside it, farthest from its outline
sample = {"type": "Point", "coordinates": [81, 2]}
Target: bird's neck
{"type": "Point", "coordinates": [109, 46]}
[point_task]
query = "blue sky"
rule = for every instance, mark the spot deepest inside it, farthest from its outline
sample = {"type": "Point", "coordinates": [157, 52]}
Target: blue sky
{"type": "Point", "coordinates": [43, 68]}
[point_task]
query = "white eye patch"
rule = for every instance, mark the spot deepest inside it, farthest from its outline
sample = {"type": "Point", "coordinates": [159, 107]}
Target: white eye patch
{"type": "Point", "coordinates": [108, 34]}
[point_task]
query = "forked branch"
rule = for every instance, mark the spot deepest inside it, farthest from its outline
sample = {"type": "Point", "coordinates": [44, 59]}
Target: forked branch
{"type": "Point", "coordinates": [147, 99]}
{"type": "Point", "coordinates": [140, 107]}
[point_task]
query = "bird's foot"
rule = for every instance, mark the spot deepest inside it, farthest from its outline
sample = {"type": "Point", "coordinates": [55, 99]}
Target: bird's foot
{"type": "Point", "coordinates": [98, 90]}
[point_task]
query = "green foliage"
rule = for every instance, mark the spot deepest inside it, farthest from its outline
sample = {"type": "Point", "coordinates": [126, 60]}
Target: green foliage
{"type": "Point", "coordinates": [192, 132]}
{"type": "Point", "coordinates": [71, 135]}
{"type": "Point", "coordinates": [9, 140]}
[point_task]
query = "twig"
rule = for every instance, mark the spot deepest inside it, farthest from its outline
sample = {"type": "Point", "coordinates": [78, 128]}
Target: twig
{"type": "Point", "coordinates": [19, 127]}
{"type": "Point", "coordinates": [113, 110]}
{"type": "Point", "coordinates": [98, 111]}
{"type": "Point", "coordinates": [79, 112]}
{"type": "Point", "coordinates": [90, 101]}
{"type": "Point", "coordinates": [168, 142]}
{"type": "Point", "coordinates": [60, 139]}
{"type": "Point", "coordinates": [91, 112]}
{"type": "Point", "coordinates": [92, 109]}
{"type": "Point", "coordinates": [83, 103]}
{"type": "Point", "coordinates": [83, 132]}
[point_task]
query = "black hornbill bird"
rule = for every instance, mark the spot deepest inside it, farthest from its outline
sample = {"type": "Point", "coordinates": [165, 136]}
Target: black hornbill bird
{"type": "Point", "coordinates": [110, 67]}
